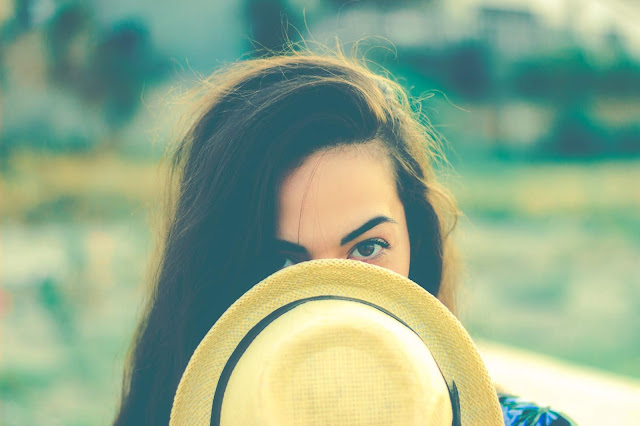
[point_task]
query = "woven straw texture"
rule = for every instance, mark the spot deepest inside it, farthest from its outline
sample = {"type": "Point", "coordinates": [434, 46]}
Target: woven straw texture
{"type": "Point", "coordinates": [443, 334]}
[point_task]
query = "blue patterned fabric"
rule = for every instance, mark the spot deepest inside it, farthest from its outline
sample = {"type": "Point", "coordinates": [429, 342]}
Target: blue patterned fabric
{"type": "Point", "coordinates": [517, 412]}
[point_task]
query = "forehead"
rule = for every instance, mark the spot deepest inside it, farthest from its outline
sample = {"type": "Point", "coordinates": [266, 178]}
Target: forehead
{"type": "Point", "coordinates": [335, 191]}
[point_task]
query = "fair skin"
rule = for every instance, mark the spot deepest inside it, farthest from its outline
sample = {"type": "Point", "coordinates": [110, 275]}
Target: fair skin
{"type": "Point", "coordinates": [343, 203]}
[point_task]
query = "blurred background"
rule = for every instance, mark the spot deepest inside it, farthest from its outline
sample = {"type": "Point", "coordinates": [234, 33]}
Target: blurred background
{"type": "Point", "coordinates": [539, 102]}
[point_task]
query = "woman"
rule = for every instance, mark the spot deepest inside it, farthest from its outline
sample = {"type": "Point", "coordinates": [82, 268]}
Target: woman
{"type": "Point", "coordinates": [288, 158]}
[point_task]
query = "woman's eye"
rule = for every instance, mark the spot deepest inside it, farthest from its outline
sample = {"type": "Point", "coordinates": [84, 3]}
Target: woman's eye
{"type": "Point", "coordinates": [368, 249]}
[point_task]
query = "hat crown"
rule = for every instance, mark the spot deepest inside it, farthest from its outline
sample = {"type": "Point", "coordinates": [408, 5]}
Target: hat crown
{"type": "Point", "coordinates": [336, 362]}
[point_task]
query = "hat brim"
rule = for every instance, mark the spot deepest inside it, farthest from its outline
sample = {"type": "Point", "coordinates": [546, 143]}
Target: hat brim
{"type": "Point", "coordinates": [446, 338]}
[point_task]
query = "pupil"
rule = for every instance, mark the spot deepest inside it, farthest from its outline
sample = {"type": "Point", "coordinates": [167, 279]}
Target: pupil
{"type": "Point", "coordinates": [366, 250]}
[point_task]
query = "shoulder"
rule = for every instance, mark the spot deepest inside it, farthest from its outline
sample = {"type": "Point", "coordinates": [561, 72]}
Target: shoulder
{"type": "Point", "coordinates": [520, 412]}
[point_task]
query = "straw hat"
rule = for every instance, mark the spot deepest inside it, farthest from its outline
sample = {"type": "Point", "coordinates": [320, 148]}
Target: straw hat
{"type": "Point", "coordinates": [336, 342]}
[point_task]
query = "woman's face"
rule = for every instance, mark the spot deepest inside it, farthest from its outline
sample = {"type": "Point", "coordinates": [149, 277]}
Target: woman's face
{"type": "Point", "coordinates": [342, 203]}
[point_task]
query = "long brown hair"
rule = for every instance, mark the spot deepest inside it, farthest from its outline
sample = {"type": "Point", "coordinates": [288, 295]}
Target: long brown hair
{"type": "Point", "coordinates": [256, 121]}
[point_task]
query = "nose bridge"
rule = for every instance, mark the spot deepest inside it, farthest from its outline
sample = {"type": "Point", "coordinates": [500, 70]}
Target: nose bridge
{"type": "Point", "coordinates": [327, 255]}
{"type": "Point", "coordinates": [319, 243]}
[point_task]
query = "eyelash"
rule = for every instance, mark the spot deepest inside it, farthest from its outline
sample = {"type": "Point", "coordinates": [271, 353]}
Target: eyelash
{"type": "Point", "coordinates": [371, 241]}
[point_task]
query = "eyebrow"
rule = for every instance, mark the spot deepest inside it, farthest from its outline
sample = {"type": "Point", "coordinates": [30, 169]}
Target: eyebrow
{"type": "Point", "coordinates": [285, 245]}
{"type": "Point", "coordinates": [288, 246]}
{"type": "Point", "coordinates": [371, 223]}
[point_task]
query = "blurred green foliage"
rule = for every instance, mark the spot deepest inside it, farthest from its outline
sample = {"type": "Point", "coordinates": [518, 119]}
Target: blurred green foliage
{"type": "Point", "coordinates": [101, 69]}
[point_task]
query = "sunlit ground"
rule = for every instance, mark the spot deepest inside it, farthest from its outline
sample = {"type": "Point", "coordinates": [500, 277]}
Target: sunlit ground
{"type": "Point", "coordinates": [552, 254]}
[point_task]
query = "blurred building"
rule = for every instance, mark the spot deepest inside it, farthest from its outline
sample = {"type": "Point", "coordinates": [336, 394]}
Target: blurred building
{"type": "Point", "coordinates": [513, 32]}
{"type": "Point", "coordinates": [514, 27]}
